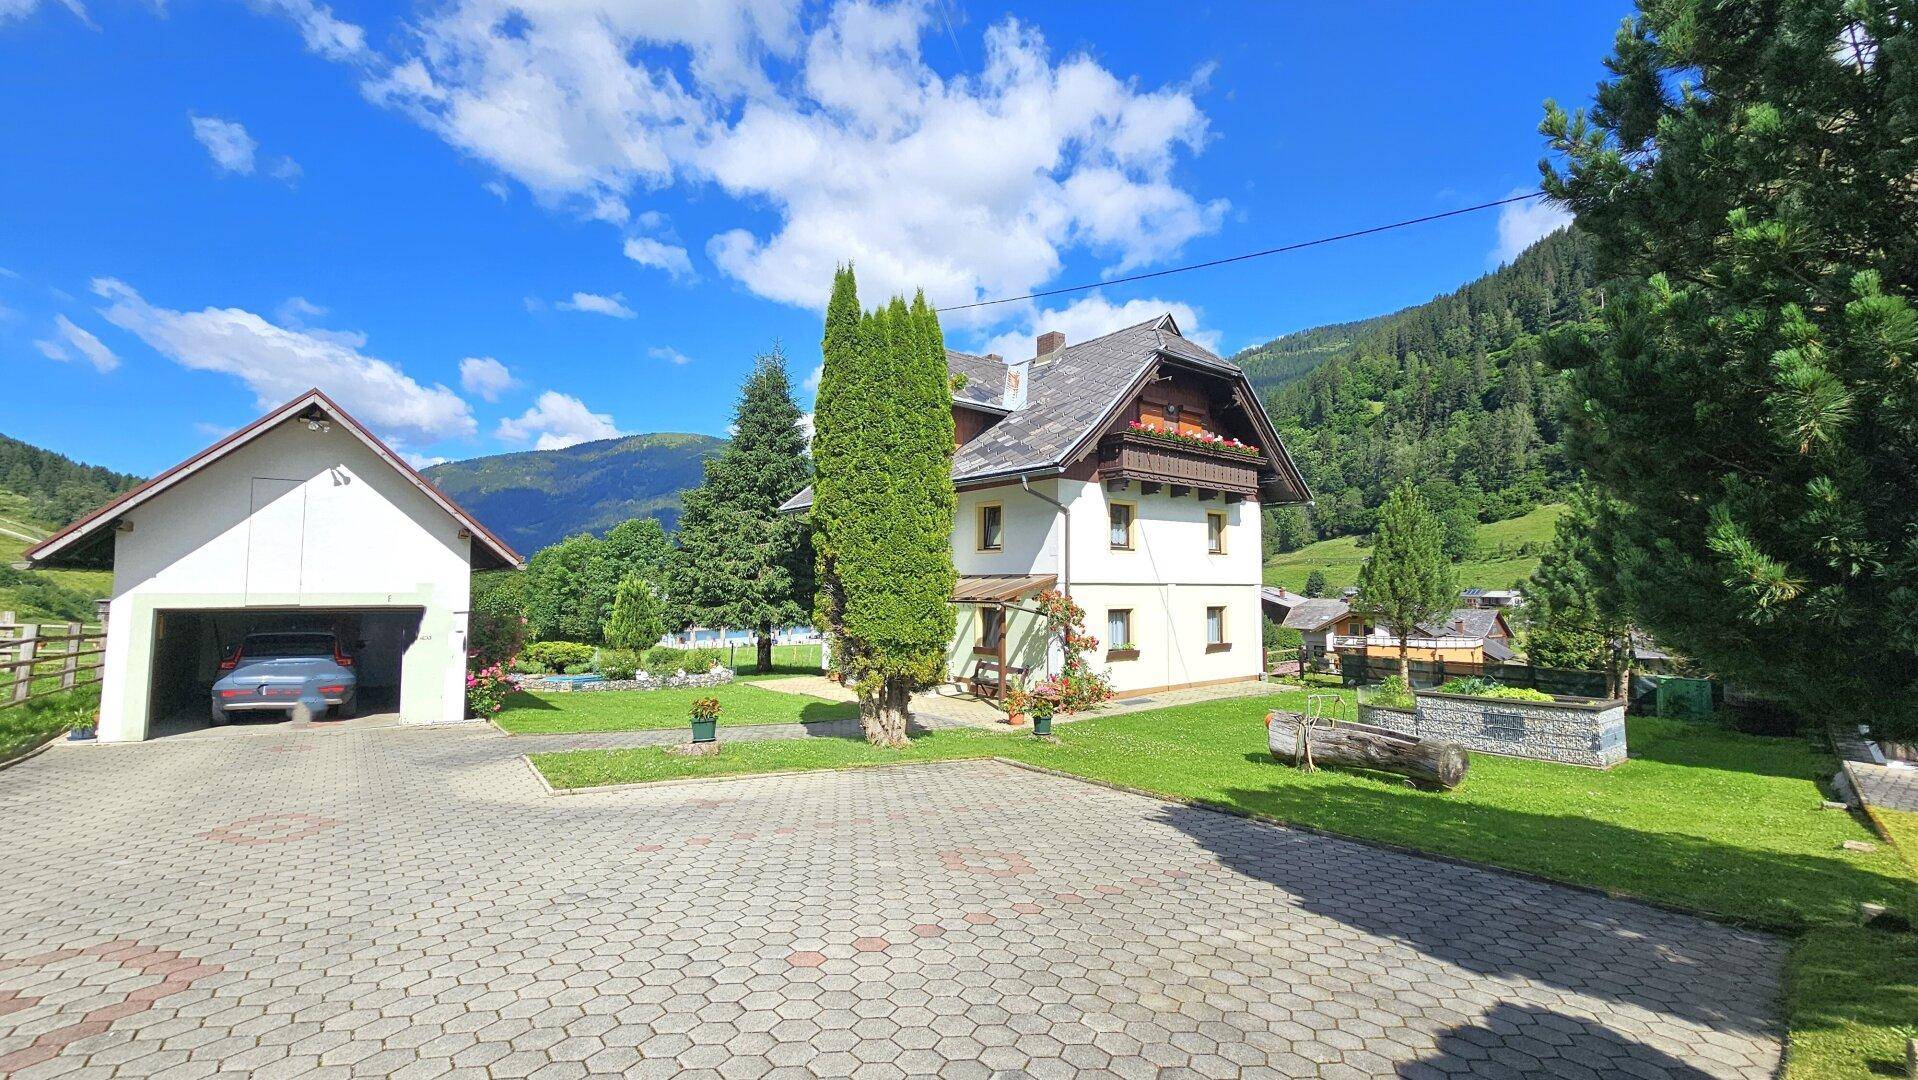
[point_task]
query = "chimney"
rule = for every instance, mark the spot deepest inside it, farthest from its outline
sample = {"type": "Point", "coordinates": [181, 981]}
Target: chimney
{"type": "Point", "coordinates": [1051, 341]}
{"type": "Point", "coordinates": [1458, 625]}
{"type": "Point", "coordinates": [1017, 373]}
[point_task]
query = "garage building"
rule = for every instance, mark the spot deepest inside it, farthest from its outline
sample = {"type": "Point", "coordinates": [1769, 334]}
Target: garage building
{"type": "Point", "coordinates": [300, 521]}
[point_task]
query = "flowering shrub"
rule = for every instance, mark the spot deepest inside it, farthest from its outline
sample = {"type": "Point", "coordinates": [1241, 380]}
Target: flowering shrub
{"type": "Point", "coordinates": [1204, 439]}
{"type": "Point", "coordinates": [1077, 686]}
{"type": "Point", "coordinates": [706, 708]}
{"type": "Point", "coordinates": [486, 690]}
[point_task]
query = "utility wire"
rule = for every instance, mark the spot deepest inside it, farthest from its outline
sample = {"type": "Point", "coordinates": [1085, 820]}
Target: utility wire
{"type": "Point", "coordinates": [1248, 255]}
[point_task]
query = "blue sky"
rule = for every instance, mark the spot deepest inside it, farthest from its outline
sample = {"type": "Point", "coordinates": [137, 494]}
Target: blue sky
{"type": "Point", "coordinates": [488, 225]}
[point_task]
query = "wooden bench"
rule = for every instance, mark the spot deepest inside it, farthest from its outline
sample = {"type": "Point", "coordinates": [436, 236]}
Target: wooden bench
{"type": "Point", "coordinates": [989, 682]}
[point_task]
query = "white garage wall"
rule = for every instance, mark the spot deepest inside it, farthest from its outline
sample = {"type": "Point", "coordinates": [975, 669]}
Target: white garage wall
{"type": "Point", "coordinates": [335, 527]}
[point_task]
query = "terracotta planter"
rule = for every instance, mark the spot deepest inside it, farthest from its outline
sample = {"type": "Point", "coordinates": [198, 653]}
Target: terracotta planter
{"type": "Point", "coordinates": [1016, 719]}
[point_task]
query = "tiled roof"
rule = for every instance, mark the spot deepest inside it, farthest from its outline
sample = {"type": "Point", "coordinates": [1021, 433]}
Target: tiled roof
{"type": "Point", "coordinates": [1068, 394]}
{"type": "Point", "coordinates": [1304, 612]}
{"type": "Point", "coordinates": [1478, 623]}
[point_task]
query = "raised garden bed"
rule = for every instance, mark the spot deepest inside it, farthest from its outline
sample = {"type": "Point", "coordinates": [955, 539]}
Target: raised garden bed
{"type": "Point", "coordinates": [1569, 730]}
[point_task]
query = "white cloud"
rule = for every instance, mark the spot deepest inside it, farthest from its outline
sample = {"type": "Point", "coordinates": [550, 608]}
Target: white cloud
{"type": "Point", "coordinates": [212, 430]}
{"type": "Point", "coordinates": [1522, 224]}
{"type": "Point", "coordinates": [486, 377]}
{"type": "Point", "coordinates": [967, 185]}
{"type": "Point", "coordinates": [646, 251]}
{"type": "Point", "coordinates": [556, 421]}
{"type": "Point", "coordinates": [277, 363]}
{"type": "Point", "coordinates": [227, 142]}
{"type": "Point", "coordinates": [20, 9]}
{"type": "Point", "coordinates": [422, 461]}
{"type": "Point", "coordinates": [296, 310]}
{"type": "Point", "coordinates": [234, 150]}
{"type": "Point", "coordinates": [1094, 316]}
{"type": "Point", "coordinates": [614, 305]}
{"type": "Point", "coordinates": [74, 339]}
{"type": "Point", "coordinates": [326, 35]}
{"type": "Point", "coordinates": [670, 355]}
{"type": "Point", "coordinates": [812, 378]}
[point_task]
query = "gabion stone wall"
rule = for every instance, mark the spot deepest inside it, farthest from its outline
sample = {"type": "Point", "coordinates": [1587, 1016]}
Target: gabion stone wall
{"type": "Point", "coordinates": [1575, 731]}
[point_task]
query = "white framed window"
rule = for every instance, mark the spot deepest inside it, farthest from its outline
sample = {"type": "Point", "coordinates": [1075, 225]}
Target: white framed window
{"type": "Point", "coordinates": [1119, 628]}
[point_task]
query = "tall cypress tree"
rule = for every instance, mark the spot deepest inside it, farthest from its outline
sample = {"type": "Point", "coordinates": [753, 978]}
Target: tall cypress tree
{"type": "Point", "coordinates": [1750, 402]}
{"type": "Point", "coordinates": [883, 503]}
{"type": "Point", "coordinates": [1407, 579]}
{"type": "Point", "coordinates": [740, 562]}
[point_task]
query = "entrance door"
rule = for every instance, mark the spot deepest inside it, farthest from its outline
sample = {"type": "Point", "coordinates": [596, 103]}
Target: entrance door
{"type": "Point", "coordinates": [275, 538]}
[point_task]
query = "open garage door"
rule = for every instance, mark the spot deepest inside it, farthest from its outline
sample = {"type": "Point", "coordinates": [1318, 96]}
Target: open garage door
{"type": "Point", "coordinates": [189, 643]}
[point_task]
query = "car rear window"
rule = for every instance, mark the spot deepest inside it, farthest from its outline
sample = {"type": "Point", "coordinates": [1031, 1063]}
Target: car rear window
{"type": "Point", "coordinates": [288, 645]}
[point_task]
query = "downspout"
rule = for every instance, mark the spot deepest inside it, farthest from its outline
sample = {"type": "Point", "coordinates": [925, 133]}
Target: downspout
{"type": "Point", "coordinates": [1065, 546]}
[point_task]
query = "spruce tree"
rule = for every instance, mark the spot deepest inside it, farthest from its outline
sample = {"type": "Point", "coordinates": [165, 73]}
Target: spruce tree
{"type": "Point", "coordinates": [1575, 618]}
{"type": "Point", "coordinates": [1315, 583]}
{"type": "Point", "coordinates": [637, 621]}
{"type": "Point", "coordinates": [883, 503]}
{"type": "Point", "coordinates": [1750, 401]}
{"type": "Point", "coordinates": [1406, 580]}
{"type": "Point", "coordinates": [741, 563]}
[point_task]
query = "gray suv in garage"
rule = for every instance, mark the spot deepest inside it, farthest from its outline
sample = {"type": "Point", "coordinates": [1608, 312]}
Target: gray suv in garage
{"type": "Point", "coordinates": [302, 673]}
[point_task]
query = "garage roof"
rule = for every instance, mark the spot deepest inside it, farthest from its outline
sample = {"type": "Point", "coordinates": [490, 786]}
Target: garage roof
{"type": "Point", "coordinates": [88, 541]}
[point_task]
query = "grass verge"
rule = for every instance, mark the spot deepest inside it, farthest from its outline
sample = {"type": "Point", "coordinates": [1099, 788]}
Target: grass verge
{"type": "Point", "coordinates": [23, 727]}
{"type": "Point", "coordinates": [741, 705]}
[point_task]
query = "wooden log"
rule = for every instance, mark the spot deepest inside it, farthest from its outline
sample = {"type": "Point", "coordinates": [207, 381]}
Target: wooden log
{"type": "Point", "coordinates": [1425, 761]}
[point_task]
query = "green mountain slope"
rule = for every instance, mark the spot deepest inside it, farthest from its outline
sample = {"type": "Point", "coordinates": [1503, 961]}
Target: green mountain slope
{"type": "Point", "coordinates": [538, 497]}
{"type": "Point", "coordinates": [1507, 553]}
{"type": "Point", "coordinates": [39, 492]}
{"type": "Point", "coordinates": [1452, 393]}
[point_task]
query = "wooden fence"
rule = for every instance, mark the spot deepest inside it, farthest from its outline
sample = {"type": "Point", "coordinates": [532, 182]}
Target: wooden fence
{"type": "Point", "coordinates": [47, 658]}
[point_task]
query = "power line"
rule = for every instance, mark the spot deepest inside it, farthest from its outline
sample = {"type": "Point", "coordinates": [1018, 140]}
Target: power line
{"type": "Point", "coordinates": [1248, 255]}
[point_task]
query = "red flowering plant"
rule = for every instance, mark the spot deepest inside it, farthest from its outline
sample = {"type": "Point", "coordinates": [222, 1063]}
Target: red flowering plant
{"type": "Point", "coordinates": [486, 691]}
{"type": "Point", "coordinates": [1077, 686]}
{"type": "Point", "coordinates": [1203, 439]}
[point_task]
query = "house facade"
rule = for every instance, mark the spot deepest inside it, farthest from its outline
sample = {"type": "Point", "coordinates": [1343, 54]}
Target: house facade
{"type": "Point", "coordinates": [300, 521]}
{"type": "Point", "coordinates": [1127, 472]}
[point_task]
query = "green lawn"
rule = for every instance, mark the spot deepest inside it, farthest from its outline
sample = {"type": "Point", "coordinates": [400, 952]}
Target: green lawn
{"type": "Point", "coordinates": [23, 727]}
{"type": "Point", "coordinates": [89, 583]}
{"type": "Point", "coordinates": [1497, 565]}
{"type": "Point", "coordinates": [647, 710]}
{"type": "Point", "coordinates": [788, 660]}
{"type": "Point", "coordinates": [1702, 818]}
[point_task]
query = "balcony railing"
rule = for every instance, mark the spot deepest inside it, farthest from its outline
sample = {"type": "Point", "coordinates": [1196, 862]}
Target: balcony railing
{"type": "Point", "coordinates": [1126, 456]}
{"type": "Point", "coordinates": [1387, 641]}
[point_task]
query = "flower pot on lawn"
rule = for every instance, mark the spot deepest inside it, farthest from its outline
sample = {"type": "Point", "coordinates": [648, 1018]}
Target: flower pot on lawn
{"type": "Point", "coordinates": [705, 720]}
{"type": "Point", "coordinates": [1042, 724]}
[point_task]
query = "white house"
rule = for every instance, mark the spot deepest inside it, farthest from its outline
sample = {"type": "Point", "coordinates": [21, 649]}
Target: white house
{"type": "Point", "coordinates": [1128, 472]}
{"type": "Point", "coordinates": [300, 520]}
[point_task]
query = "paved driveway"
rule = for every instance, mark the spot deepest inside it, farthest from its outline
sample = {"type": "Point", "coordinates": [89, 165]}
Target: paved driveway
{"type": "Point", "coordinates": [407, 903]}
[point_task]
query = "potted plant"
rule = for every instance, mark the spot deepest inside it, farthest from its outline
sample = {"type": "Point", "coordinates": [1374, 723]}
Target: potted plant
{"type": "Point", "coordinates": [706, 720]}
{"type": "Point", "coordinates": [84, 730]}
{"type": "Point", "coordinates": [1043, 701]}
{"type": "Point", "coordinates": [1016, 703]}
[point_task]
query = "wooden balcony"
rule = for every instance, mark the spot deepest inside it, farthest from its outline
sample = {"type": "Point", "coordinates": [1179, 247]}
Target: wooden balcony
{"type": "Point", "coordinates": [1128, 456]}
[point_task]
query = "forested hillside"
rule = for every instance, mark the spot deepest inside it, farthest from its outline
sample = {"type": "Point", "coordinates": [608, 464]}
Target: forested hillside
{"type": "Point", "coordinates": [1451, 393]}
{"type": "Point", "coordinates": [56, 489]}
{"type": "Point", "coordinates": [538, 497]}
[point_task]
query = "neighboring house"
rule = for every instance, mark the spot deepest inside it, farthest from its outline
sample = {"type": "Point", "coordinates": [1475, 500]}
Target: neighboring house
{"type": "Point", "coordinates": [1154, 533]}
{"type": "Point", "coordinates": [1466, 636]}
{"type": "Point", "coordinates": [302, 520]}
{"type": "Point", "coordinates": [1318, 619]}
{"type": "Point", "coordinates": [1491, 598]}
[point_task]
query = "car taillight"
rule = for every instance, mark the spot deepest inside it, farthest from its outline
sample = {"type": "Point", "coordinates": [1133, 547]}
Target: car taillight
{"type": "Point", "coordinates": [332, 689]}
{"type": "Point", "coordinates": [231, 693]}
{"type": "Point", "coordinates": [233, 660]}
{"type": "Point", "coordinates": [341, 658]}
